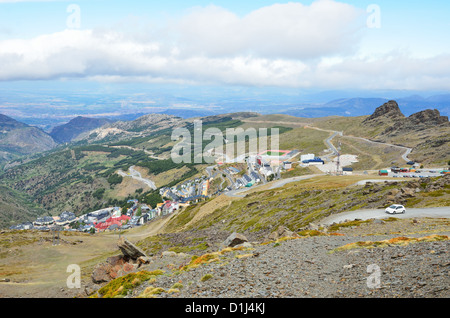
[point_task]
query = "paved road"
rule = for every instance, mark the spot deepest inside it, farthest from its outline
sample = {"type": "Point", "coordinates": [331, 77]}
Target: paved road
{"type": "Point", "coordinates": [137, 175]}
{"type": "Point", "coordinates": [443, 212]}
{"type": "Point", "coordinates": [363, 182]}
{"type": "Point", "coordinates": [330, 145]}
{"type": "Point", "coordinates": [404, 156]}
{"type": "Point", "coordinates": [281, 183]}
{"type": "Point", "coordinates": [276, 184]}
{"type": "Point", "coordinates": [335, 133]}
{"type": "Point", "coordinates": [149, 153]}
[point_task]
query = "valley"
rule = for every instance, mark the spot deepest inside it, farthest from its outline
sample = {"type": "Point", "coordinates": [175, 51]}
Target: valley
{"type": "Point", "coordinates": [179, 212]}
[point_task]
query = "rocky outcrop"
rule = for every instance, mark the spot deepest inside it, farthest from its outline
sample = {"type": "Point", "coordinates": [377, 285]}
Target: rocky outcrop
{"type": "Point", "coordinates": [389, 110]}
{"type": "Point", "coordinates": [116, 266]}
{"type": "Point", "coordinates": [390, 113]}
{"type": "Point", "coordinates": [129, 249]}
{"type": "Point", "coordinates": [427, 117]}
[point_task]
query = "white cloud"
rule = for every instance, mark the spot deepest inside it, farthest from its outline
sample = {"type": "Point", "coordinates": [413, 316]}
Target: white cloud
{"type": "Point", "coordinates": [290, 30]}
{"type": "Point", "coordinates": [279, 45]}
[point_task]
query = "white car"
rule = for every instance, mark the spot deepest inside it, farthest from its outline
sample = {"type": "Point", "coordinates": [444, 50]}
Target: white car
{"type": "Point", "coordinates": [395, 209]}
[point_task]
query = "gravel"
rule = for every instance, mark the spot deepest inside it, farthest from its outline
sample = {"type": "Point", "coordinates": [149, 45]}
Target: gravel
{"type": "Point", "coordinates": [305, 268]}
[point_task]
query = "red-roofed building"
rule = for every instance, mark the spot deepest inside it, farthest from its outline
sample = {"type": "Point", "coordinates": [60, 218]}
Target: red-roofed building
{"type": "Point", "coordinates": [119, 221]}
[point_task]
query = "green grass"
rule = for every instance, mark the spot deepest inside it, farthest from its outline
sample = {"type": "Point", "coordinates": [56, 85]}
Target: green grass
{"type": "Point", "coordinates": [121, 286]}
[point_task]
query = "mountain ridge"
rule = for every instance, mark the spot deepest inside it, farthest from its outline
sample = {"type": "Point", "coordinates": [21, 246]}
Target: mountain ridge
{"type": "Point", "coordinates": [18, 139]}
{"type": "Point", "coordinates": [76, 126]}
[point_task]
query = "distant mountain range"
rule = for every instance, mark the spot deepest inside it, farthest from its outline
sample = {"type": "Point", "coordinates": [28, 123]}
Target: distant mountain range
{"type": "Point", "coordinates": [17, 138]}
{"type": "Point", "coordinates": [365, 106]}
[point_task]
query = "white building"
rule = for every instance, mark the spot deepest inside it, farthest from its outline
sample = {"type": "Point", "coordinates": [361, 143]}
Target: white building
{"type": "Point", "coordinates": [309, 156]}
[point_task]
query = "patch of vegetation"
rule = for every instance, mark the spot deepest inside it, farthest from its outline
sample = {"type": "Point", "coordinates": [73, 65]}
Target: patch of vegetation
{"type": "Point", "coordinates": [151, 292]}
{"type": "Point", "coordinates": [121, 286]}
{"type": "Point", "coordinates": [206, 277]}
{"type": "Point", "coordinates": [184, 249]}
{"type": "Point", "coordinates": [399, 241]}
{"type": "Point", "coordinates": [199, 260]}
{"type": "Point", "coordinates": [114, 179]}
{"type": "Point", "coordinates": [98, 194]}
{"type": "Point", "coordinates": [338, 226]}
{"type": "Point", "coordinates": [153, 244]}
{"type": "Point", "coordinates": [177, 286]}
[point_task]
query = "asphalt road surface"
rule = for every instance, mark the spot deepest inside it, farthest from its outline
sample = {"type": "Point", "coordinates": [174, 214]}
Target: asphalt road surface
{"type": "Point", "coordinates": [137, 175]}
{"type": "Point", "coordinates": [442, 212]}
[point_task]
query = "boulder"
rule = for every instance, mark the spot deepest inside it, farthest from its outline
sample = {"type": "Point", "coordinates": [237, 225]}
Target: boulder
{"type": "Point", "coordinates": [168, 254]}
{"type": "Point", "coordinates": [129, 249]}
{"type": "Point", "coordinates": [235, 239]}
{"type": "Point", "coordinates": [143, 260]}
{"type": "Point", "coordinates": [101, 273]}
{"type": "Point", "coordinates": [394, 192]}
{"type": "Point", "coordinates": [408, 192]}
{"type": "Point", "coordinates": [125, 269]}
{"type": "Point", "coordinates": [114, 267]}
{"type": "Point", "coordinates": [282, 231]}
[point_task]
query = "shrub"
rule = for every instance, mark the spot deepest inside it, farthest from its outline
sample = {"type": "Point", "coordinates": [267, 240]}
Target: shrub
{"type": "Point", "coordinates": [120, 287]}
{"type": "Point", "coordinates": [206, 277]}
{"type": "Point", "coordinates": [98, 194]}
{"type": "Point", "coordinates": [114, 179]}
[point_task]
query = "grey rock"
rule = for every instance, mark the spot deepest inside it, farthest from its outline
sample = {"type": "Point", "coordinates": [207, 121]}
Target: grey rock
{"type": "Point", "coordinates": [129, 249]}
{"type": "Point", "coordinates": [235, 239]}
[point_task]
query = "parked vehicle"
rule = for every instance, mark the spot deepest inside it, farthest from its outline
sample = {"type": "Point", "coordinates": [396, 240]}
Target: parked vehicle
{"type": "Point", "coordinates": [395, 209]}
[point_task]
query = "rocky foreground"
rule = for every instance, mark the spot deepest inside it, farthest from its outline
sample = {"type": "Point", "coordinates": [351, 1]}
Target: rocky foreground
{"type": "Point", "coordinates": [380, 263]}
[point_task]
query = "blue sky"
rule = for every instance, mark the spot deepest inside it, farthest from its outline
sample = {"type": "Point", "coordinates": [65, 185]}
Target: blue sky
{"type": "Point", "coordinates": [323, 44]}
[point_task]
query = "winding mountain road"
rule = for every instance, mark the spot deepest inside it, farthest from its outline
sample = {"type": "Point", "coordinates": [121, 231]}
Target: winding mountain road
{"type": "Point", "coordinates": [137, 175]}
{"type": "Point", "coordinates": [442, 212]}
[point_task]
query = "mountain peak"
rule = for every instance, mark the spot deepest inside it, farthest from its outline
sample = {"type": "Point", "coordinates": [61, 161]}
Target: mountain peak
{"type": "Point", "coordinates": [428, 116]}
{"type": "Point", "coordinates": [8, 123]}
{"type": "Point", "coordinates": [78, 125]}
{"type": "Point", "coordinates": [389, 109]}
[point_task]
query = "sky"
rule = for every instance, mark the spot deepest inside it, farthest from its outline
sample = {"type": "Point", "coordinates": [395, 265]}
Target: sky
{"type": "Point", "coordinates": [321, 44]}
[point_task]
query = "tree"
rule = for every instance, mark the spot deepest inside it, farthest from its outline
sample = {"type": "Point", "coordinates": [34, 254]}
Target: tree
{"type": "Point", "coordinates": [153, 199]}
{"type": "Point", "coordinates": [114, 179]}
{"type": "Point", "coordinates": [98, 194]}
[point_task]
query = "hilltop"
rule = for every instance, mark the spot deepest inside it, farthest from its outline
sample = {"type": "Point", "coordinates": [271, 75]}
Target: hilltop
{"type": "Point", "coordinates": [427, 132]}
{"type": "Point", "coordinates": [18, 139]}
{"type": "Point", "coordinates": [75, 127]}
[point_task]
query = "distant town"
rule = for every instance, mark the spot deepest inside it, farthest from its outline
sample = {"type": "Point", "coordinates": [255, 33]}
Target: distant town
{"type": "Point", "coordinates": [258, 169]}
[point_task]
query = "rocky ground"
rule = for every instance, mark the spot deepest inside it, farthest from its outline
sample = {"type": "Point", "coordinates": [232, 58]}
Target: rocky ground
{"type": "Point", "coordinates": [312, 267]}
